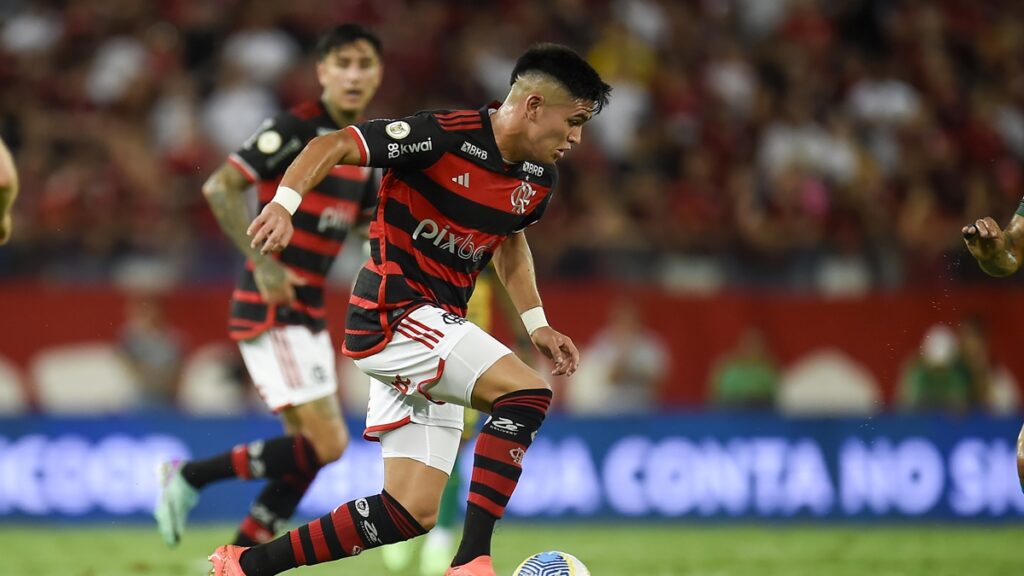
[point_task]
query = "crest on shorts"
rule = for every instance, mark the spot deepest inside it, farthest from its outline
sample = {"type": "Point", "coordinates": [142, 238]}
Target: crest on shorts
{"type": "Point", "coordinates": [521, 197]}
{"type": "Point", "coordinates": [401, 384]}
{"type": "Point", "coordinates": [450, 318]}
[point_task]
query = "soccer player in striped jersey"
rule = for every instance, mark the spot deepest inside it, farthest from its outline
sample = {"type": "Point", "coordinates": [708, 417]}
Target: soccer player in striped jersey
{"type": "Point", "coordinates": [277, 308]}
{"type": "Point", "coordinates": [8, 191]}
{"type": "Point", "coordinates": [460, 189]}
{"type": "Point", "coordinates": [999, 253]}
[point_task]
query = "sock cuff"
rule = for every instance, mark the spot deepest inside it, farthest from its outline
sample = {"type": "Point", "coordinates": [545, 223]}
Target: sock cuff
{"type": "Point", "coordinates": [403, 520]}
{"type": "Point", "coordinates": [305, 456]}
{"type": "Point", "coordinates": [535, 398]}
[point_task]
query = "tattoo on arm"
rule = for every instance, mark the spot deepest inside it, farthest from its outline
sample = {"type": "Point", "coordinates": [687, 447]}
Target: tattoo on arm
{"type": "Point", "coordinates": [223, 191]}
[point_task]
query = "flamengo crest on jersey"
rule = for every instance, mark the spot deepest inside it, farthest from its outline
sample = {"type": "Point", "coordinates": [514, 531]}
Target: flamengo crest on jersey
{"type": "Point", "coordinates": [521, 197]}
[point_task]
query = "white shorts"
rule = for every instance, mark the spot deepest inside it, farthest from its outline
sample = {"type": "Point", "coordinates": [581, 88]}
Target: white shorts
{"type": "Point", "coordinates": [291, 366]}
{"type": "Point", "coordinates": [434, 446]}
{"type": "Point", "coordinates": [427, 371]}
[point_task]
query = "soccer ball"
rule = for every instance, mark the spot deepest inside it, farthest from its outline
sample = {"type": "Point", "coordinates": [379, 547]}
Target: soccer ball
{"type": "Point", "coordinates": [552, 563]}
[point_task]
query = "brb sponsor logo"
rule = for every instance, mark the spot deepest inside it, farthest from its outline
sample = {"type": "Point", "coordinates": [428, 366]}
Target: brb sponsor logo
{"type": "Point", "coordinates": [461, 246]}
{"type": "Point", "coordinates": [530, 168]}
{"type": "Point", "coordinates": [475, 151]}
{"type": "Point", "coordinates": [395, 149]}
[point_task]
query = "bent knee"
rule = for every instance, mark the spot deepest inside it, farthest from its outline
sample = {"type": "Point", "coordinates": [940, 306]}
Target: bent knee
{"type": "Point", "coordinates": [425, 516]}
{"type": "Point", "coordinates": [329, 445]}
{"type": "Point", "coordinates": [507, 375]}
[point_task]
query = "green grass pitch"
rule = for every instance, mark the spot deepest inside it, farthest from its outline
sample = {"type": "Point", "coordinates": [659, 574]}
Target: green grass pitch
{"type": "Point", "coordinates": [609, 550]}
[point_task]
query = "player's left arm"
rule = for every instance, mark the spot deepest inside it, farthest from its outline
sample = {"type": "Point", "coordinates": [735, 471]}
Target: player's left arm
{"type": "Point", "coordinates": [513, 261]}
{"type": "Point", "coordinates": [998, 252]}
{"type": "Point", "coordinates": [8, 191]}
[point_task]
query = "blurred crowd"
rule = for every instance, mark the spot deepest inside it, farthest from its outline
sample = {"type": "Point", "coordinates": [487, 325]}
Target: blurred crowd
{"type": "Point", "coordinates": [799, 144]}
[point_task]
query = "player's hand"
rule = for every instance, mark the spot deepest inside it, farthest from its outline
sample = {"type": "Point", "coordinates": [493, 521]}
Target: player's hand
{"type": "Point", "coordinates": [559, 348]}
{"type": "Point", "coordinates": [6, 223]}
{"type": "Point", "coordinates": [276, 282]}
{"type": "Point", "coordinates": [272, 229]}
{"type": "Point", "coordinates": [984, 239]}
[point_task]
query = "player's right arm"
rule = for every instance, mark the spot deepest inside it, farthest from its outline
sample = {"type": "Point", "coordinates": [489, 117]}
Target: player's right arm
{"type": "Point", "coordinates": [998, 252]}
{"type": "Point", "coordinates": [8, 191]}
{"type": "Point", "coordinates": [223, 191]}
{"type": "Point", "coordinates": [272, 229]}
{"type": "Point", "coordinates": [412, 142]}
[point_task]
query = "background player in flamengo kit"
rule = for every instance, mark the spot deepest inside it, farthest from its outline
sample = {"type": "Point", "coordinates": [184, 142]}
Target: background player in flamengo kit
{"type": "Point", "coordinates": [461, 187]}
{"type": "Point", "coordinates": [8, 190]}
{"type": "Point", "coordinates": [277, 309]}
{"type": "Point", "coordinates": [1000, 253]}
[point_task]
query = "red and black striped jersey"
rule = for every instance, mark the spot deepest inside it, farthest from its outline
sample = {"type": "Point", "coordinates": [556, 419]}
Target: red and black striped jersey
{"type": "Point", "coordinates": [321, 223]}
{"type": "Point", "coordinates": [446, 201]}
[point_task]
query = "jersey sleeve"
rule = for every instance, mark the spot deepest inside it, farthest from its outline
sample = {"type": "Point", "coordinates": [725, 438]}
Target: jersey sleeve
{"type": "Point", "coordinates": [269, 151]}
{"type": "Point", "coordinates": [414, 142]}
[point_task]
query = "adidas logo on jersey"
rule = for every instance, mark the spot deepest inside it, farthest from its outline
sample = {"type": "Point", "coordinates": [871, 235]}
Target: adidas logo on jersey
{"type": "Point", "coordinates": [462, 179]}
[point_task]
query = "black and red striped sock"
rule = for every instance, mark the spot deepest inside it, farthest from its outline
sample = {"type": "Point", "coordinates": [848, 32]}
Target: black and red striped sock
{"type": "Point", "coordinates": [273, 458]}
{"type": "Point", "coordinates": [274, 506]}
{"type": "Point", "coordinates": [348, 530]}
{"type": "Point", "coordinates": [497, 465]}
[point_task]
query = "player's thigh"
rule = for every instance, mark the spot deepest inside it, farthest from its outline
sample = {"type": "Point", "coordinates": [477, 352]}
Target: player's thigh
{"type": "Point", "coordinates": [435, 355]}
{"type": "Point", "coordinates": [508, 374]}
{"type": "Point", "coordinates": [291, 366]}
{"type": "Point", "coordinates": [418, 459]}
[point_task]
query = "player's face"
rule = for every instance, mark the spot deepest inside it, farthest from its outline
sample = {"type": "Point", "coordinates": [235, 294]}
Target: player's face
{"type": "Point", "coordinates": [557, 127]}
{"type": "Point", "coordinates": [350, 75]}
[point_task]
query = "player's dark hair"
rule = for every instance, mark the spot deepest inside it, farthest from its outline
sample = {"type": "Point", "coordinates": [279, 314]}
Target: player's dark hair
{"type": "Point", "coordinates": [567, 67]}
{"type": "Point", "coordinates": [343, 35]}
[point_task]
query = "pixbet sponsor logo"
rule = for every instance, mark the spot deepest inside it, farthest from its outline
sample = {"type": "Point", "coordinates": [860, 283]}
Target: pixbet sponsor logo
{"type": "Point", "coordinates": [395, 149]}
{"type": "Point", "coordinates": [461, 246]}
{"type": "Point", "coordinates": [334, 219]}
